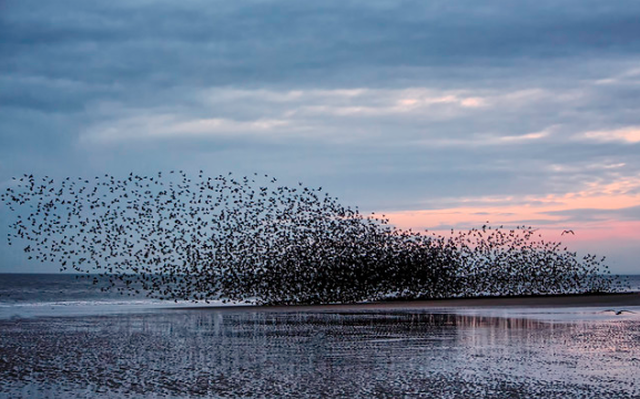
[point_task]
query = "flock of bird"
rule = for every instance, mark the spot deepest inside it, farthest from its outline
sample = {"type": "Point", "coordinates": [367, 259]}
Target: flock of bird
{"type": "Point", "coordinates": [175, 237]}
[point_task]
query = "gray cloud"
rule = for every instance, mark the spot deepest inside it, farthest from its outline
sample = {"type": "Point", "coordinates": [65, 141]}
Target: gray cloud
{"type": "Point", "coordinates": [285, 42]}
{"type": "Point", "coordinates": [594, 215]}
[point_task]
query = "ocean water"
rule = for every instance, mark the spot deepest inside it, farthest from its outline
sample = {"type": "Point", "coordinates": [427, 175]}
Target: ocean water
{"type": "Point", "coordinates": [51, 295]}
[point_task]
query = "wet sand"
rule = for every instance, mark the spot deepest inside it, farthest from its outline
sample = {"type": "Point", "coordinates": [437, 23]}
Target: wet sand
{"type": "Point", "coordinates": [421, 349]}
{"type": "Point", "coordinates": [546, 301]}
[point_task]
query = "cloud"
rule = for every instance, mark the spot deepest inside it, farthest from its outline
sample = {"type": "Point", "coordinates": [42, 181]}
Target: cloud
{"type": "Point", "coordinates": [625, 135]}
{"type": "Point", "coordinates": [594, 214]}
{"type": "Point", "coordinates": [175, 127]}
{"type": "Point", "coordinates": [354, 43]}
{"type": "Point", "coordinates": [601, 204]}
{"type": "Point", "coordinates": [313, 113]}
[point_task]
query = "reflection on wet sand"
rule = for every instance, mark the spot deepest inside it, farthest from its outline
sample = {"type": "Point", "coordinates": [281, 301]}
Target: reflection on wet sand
{"type": "Point", "coordinates": [268, 354]}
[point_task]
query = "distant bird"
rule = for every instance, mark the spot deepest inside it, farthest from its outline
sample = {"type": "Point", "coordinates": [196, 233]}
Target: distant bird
{"type": "Point", "coordinates": [567, 232]}
{"type": "Point", "coordinates": [618, 312]}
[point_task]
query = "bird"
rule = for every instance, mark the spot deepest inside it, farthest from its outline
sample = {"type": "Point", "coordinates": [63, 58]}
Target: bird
{"type": "Point", "coordinates": [567, 232]}
{"type": "Point", "coordinates": [619, 312]}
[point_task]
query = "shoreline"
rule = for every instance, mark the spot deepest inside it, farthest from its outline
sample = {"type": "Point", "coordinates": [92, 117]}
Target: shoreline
{"type": "Point", "coordinates": [533, 301]}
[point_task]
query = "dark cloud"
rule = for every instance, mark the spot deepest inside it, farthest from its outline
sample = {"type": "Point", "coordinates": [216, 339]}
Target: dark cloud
{"type": "Point", "coordinates": [285, 42]}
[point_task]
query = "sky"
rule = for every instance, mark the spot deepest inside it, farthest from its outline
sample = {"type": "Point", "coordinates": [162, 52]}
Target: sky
{"type": "Point", "coordinates": [438, 114]}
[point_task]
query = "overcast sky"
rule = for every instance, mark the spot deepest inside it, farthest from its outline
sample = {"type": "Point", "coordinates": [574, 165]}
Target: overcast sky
{"type": "Point", "coordinates": [438, 114]}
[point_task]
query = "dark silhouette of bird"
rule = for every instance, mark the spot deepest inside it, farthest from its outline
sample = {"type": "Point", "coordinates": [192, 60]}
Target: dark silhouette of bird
{"type": "Point", "coordinates": [618, 312]}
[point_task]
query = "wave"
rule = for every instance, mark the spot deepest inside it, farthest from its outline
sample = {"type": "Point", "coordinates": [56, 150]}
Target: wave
{"type": "Point", "coordinates": [10, 310]}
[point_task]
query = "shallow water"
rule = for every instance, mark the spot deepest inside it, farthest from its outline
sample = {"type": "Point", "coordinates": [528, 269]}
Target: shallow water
{"type": "Point", "coordinates": [38, 295]}
{"type": "Point", "coordinates": [225, 353]}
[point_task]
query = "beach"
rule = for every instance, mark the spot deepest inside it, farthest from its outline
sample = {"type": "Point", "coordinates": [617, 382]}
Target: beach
{"type": "Point", "coordinates": [555, 347]}
{"type": "Point", "coordinates": [319, 199]}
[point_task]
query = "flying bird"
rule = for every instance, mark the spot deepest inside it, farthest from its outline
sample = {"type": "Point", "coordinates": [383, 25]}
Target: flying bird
{"type": "Point", "coordinates": [618, 312]}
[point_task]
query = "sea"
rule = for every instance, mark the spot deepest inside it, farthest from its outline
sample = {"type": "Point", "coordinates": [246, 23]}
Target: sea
{"type": "Point", "coordinates": [63, 337]}
{"type": "Point", "coordinates": [54, 295]}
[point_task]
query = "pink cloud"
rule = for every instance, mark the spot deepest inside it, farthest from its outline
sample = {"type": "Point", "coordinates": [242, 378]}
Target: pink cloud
{"type": "Point", "coordinates": [593, 214]}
